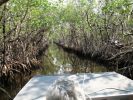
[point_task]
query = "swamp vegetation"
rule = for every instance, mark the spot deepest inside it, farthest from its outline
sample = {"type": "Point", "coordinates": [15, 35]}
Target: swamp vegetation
{"type": "Point", "coordinates": [63, 36]}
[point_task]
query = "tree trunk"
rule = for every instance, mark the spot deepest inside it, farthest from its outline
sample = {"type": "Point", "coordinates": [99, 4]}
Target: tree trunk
{"type": "Point", "coordinates": [3, 1]}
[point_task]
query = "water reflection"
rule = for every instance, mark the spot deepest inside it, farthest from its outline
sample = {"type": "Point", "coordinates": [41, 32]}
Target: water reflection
{"type": "Point", "coordinates": [14, 87]}
{"type": "Point", "coordinates": [59, 62]}
{"type": "Point", "coordinates": [56, 61]}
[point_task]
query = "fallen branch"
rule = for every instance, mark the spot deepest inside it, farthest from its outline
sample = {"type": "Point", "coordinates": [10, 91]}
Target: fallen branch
{"type": "Point", "coordinates": [3, 90]}
{"type": "Point", "coordinates": [121, 53]}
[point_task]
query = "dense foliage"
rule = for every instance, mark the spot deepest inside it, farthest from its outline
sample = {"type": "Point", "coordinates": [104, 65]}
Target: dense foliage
{"type": "Point", "coordinates": [100, 30]}
{"type": "Point", "coordinates": [96, 29]}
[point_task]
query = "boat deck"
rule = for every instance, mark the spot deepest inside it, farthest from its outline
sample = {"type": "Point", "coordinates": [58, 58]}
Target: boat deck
{"type": "Point", "coordinates": [97, 86]}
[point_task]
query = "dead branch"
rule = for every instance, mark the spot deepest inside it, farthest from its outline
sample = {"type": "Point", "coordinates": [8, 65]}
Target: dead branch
{"type": "Point", "coordinates": [121, 53]}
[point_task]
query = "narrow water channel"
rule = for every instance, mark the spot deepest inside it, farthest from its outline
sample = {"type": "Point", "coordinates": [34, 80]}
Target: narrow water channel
{"type": "Point", "coordinates": [56, 61]}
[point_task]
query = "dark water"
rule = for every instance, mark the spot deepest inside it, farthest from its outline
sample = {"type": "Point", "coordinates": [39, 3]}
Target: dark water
{"type": "Point", "coordinates": [55, 61]}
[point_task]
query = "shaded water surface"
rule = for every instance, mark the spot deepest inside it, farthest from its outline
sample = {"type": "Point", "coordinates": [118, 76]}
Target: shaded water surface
{"type": "Point", "coordinates": [55, 61]}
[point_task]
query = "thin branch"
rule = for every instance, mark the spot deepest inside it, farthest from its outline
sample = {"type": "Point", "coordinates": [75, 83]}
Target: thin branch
{"type": "Point", "coordinates": [121, 53]}
{"type": "Point", "coordinates": [3, 90]}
